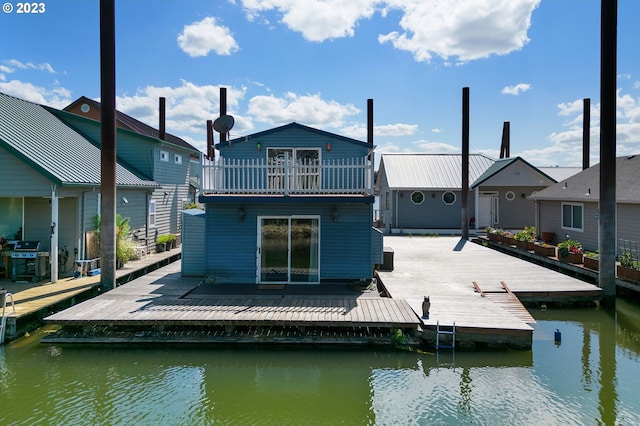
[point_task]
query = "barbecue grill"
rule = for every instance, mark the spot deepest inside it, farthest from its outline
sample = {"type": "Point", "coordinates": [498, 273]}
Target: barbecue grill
{"type": "Point", "coordinates": [28, 261]}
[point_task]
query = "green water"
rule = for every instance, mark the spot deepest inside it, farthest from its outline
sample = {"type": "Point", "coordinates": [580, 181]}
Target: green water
{"type": "Point", "coordinates": [592, 377]}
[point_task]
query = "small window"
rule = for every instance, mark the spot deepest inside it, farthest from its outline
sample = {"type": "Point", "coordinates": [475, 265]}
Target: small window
{"type": "Point", "coordinates": [152, 214]}
{"type": "Point", "coordinates": [417, 197]}
{"type": "Point", "coordinates": [448, 198]}
{"type": "Point", "coordinates": [177, 158]}
{"type": "Point", "coordinates": [572, 216]}
{"type": "Point", "coordinates": [164, 155]}
{"type": "Point", "coordinates": [510, 196]}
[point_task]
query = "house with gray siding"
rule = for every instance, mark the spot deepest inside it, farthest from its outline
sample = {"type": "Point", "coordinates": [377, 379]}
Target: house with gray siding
{"type": "Point", "coordinates": [570, 208]}
{"type": "Point", "coordinates": [168, 160]}
{"type": "Point", "coordinates": [501, 194]}
{"type": "Point", "coordinates": [290, 205]}
{"type": "Point", "coordinates": [419, 192]}
{"type": "Point", "coordinates": [50, 189]}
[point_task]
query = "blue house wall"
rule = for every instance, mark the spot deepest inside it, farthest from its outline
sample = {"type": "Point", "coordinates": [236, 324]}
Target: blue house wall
{"type": "Point", "coordinates": [232, 243]}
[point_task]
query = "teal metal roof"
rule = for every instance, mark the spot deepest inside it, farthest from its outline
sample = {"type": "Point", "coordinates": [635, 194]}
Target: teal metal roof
{"type": "Point", "coordinates": [54, 149]}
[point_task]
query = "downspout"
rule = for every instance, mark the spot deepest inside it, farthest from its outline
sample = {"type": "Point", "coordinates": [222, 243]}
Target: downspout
{"type": "Point", "coordinates": [53, 257]}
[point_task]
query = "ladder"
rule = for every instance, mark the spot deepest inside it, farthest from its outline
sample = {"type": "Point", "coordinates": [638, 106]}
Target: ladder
{"type": "Point", "coordinates": [450, 331]}
{"type": "Point", "coordinates": [3, 324]}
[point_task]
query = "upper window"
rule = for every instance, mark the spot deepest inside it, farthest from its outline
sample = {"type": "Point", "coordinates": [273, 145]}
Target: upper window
{"type": "Point", "coordinates": [510, 195]}
{"type": "Point", "coordinates": [572, 216]}
{"type": "Point", "coordinates": [297, 167]}
{"type": "Point", "coordinates": [417, 197]}
{"type": "Point", "coordinates": [177, 158]}
{"type": "Point", "coordinates": [448, 198]}
{"type": "Point", "coordinates": [164, 155]}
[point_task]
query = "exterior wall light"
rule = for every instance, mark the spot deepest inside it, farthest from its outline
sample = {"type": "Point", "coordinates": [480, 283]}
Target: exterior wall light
{"type": "Point", "coordinates": [259, 146]}
{"type": "Point", "coordinates": [334, 214]}
{"type": "Point", "coordinates": [329, 147]}
{"type": "Point", "coordinates": [241, 214]}
{"type": "Point", "coordinates": [125, 201]}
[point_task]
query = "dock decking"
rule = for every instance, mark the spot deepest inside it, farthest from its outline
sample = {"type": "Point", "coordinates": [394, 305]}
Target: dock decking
{"type": "Point", "coordinates": [445, 268]}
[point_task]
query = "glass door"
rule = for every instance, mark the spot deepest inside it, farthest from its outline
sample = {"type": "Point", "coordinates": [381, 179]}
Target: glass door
{"type": "Point", "coordinates": [288, 250]}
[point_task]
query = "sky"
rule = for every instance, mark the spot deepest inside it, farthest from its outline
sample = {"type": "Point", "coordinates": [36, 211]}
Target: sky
{"type": "Point", "coordinates": [316, 62]}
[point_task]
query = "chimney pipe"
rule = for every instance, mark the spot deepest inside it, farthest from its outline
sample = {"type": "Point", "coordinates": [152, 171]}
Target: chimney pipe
{"type": "Point", "coordinates": [161, 128]}
{"type": "Point", "coordinates": [210, 151]}
{"type": "Point", "coordinates": [505, 147]}
{"type": "Point", "coordinates": [586, 132]}
{"type": "Point", "coordinates": [223, 110]}
{"type": "Point", "coordinates": [370, 121]}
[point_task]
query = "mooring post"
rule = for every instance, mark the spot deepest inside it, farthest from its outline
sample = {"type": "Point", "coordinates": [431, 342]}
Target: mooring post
{"type": "Point", "coordinates": [465, 165]}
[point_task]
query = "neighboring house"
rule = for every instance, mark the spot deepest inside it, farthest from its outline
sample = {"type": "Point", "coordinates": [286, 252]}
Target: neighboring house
{"type": "Point", "coordinates": [501, 192]}
{"type": "Point", "coordinates": [423, 191]}
{"type": "Point", "coordinates": [172, 163]}
{"type": "Point", "coordinates": [89, 108]}
{"type": "Point", "coordinates": [569, 209]}
{"type": "Point", "coordinates": [50, 176]}
{"type": "Point", "coordinates": [290, 205]}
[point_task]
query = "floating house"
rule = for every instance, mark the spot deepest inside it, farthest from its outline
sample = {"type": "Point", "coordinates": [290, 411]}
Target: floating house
{"type": "Point", "coordinates": [289, 205]}
{"type": "Point", "coordinates": [570, 208]}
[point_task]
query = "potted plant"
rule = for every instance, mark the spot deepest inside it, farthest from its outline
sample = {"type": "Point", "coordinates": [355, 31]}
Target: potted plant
{"type": "Point", "coordinates": [125, 247]}
{"type": "Point", "coordinates": [164, 242]}
{"type": "Point", "coordinates": [507, 238]}
{"type": "Point", "coordinates": [629, 268]}
{"type": "Point", "coordinates": [591, 261]}
{"type": "Point", "coordinates": [570, 251]}
{"type": "Point", "coordinates": [526, 238]}
{"type": "Point", "coordinates": [544, 249]}
{"type": "Point", "coordinates": [492, 234]}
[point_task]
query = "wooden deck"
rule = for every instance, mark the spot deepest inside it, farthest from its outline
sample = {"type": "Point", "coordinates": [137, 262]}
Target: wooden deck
{"type": "Point", "coordinates": [164, 300]}
{"type": "Point", "coordinates": [444, 268]}
{"type": "Point", "coordinates": [37, 299]}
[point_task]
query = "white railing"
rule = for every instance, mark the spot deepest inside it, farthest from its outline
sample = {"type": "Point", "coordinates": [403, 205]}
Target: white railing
{"type": "Point", "coordinates": [257, 176]}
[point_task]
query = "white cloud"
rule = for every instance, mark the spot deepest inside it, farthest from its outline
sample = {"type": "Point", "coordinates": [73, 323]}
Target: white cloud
{"type": "Point", "coordinates": [56, 97]}
{"type": "Point", "coordinates": [310, 110]}
{"type": "Point", "coordinates": [461, 29]}
{"type": "Point", "coordinates": [202, 37]}
{"type": "Point", "coordinates": [317, 20]}
{"type": "Point", "coordinates": [13, 64]}
{"type": "Point", "coordinates": [436, 130]}
{"type": "Point", "coordinates": [436, 147]}
{"type": "Point", "coordinates": [358, 131]}
{"type": "Point", "coordinates": [516, 90]}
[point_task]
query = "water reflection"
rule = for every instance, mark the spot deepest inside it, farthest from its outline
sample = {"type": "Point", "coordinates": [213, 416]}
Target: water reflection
{"type": "Point", "coordinates": [590, 379]}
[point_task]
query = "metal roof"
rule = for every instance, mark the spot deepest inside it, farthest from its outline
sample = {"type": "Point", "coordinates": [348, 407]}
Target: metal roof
{"type": "Point", "coordinates": [430, 171]}
{"type": "Point", "coordinates": [502, 164]}
{"type": "Point", "coordinates": [585, 186]}
{"type": "Point", "coordinates": [52, 148]}
{"type": "Point", "coordinates": [560, 173]}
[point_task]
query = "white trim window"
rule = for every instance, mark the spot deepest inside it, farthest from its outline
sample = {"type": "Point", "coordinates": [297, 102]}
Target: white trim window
{"type": "Point", "coordinates": [417, 197]}
{"type": "Point", "coordinates": [164, 155]}
{"type": "Point", "coordinates": [177, 158]}
{"type": "Point", "coordinates": [152, 214]}
{"type": "Point", "coordinates": [572, 216]}
{"type": "Point", "coordinates": [449, 198]}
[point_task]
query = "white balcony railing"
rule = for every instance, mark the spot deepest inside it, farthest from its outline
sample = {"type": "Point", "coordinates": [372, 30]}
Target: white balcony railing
{"type": "Point", "coordinates": [235, 176]}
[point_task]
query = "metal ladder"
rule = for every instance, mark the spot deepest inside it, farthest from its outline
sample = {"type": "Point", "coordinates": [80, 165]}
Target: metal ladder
{"type": "Point", "coordinates": [451, 332]}
{"type": "Point", "coordinates": [3, 324]}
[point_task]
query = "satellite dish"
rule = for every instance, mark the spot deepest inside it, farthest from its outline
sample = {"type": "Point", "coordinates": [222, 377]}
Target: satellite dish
{"type": "Point", "coordinates": [223, 124]}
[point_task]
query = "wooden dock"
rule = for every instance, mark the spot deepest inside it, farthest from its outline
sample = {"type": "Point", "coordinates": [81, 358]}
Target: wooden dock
{"type": "Point", "coordinates": [445, 268]}
{"type": "Point", "coordinates": [32, 301]}
{"type": "Point", "coordinates": [163, 306]}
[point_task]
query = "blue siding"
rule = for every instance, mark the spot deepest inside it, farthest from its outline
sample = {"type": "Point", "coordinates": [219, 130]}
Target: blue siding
{"type": "Point", "coordinates": [345, 245]}
{"type": "Point", "coordinates": [193, 247]}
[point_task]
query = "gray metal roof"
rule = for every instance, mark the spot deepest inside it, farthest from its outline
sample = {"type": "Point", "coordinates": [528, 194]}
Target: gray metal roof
{"type": "Point", "coordinates": [585, 186]}
{"type": "Point", "coordinates": [52, 148]}
{"type": "Point", "coordinates": [430, 171]}
{"type": "Point", "coordinates": [560, 173]}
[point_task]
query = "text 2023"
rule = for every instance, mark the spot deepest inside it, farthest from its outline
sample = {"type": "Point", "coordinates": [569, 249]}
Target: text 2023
{"type": "Point", "coordinates": [31, 7]}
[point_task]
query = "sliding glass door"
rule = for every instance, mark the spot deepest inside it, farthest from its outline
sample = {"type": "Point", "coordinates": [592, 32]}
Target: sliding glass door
{"type": "Point", "coordinates": [288, 249]}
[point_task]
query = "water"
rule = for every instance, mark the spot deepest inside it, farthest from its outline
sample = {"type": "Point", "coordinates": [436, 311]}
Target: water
{"type": "Point", "coordinates": [591, 377]}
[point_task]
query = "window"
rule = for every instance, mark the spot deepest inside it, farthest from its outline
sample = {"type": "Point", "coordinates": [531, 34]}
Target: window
{"type": "Point", "coordinates": [152, 214]}
{"type": "Point", "coordinates": [177, 158]}
{"type": "Point", "coordinates": [417, 197]}
{"type": "Point", "coordinates": [448, 198]}
{"type": "Point", "coordinates": [510, 195]}
{"type": "Point", "coordinates": [164, 155]}
{"type": "Point", "coordinates": [300, 167]}
{"type": "Point", "coordinates": [572, 216]}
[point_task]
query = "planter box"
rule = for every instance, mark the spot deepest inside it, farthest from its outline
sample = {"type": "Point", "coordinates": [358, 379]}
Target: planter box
{"type": "Point", "coordinates": [522, 245]}
{"type": "Point", "coordinates": [508, 241]}
{"type": "Point", "coordinates": [572, 258]}
{"type": "Point", "coordinates": [549, 251]}
{"type": "Point", "coordinates": [548, 237]}
{"type": "Point", "coordinates": [494, 238]}
{"type": "Point", "coordinates": [531, 246]}
{"type": "Point", "coordinates": [591, 263]}
{"type": "Point", "coordinates": [629, 274]}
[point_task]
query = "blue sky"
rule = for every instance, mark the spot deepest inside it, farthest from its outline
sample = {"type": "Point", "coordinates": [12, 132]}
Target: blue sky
{"type": "Point", "coordinates": [316, 62]}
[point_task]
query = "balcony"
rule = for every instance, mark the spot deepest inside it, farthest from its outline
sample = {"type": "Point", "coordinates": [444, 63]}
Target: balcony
{"type": "Point", "coordinates": [285, 177]}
